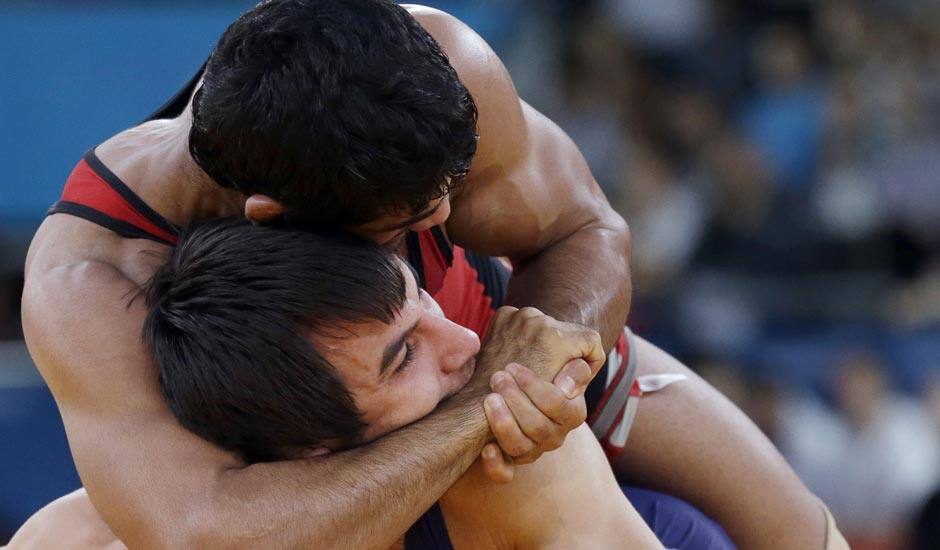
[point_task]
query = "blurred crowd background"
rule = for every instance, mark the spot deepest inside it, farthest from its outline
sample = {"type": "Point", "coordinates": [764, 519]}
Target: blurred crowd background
{"type": "Point", "coordinates": [778, 162]}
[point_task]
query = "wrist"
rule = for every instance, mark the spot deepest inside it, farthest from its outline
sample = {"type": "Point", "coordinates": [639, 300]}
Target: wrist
{"type": "Point", "coordinates": [466, 409]}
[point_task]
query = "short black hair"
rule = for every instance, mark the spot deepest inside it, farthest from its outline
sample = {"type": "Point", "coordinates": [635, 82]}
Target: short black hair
{"type": "Point", "coordinates": [230, 320]}
{"type": "Point", "coordinates": [343, 110]}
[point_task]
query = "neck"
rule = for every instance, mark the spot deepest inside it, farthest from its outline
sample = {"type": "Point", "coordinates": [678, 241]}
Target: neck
{"type": "Point", "coordinates": [153, 160]}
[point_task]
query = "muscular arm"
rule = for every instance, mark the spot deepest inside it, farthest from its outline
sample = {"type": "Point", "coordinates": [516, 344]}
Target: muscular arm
{"type": "Point", "coordinates": [735, 475]}
{"type": "Point", "coordinates": [158, 486]}
{"type": "Point", "coordinates": [530, 196]}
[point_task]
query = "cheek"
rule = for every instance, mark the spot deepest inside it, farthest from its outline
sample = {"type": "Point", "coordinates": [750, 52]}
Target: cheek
{"type": "Point", "coordinates": [404, 401]}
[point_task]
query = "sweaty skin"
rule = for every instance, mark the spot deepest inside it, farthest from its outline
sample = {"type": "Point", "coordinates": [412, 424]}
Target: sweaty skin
{"type": "Point", "coordinates": [529, 196]}
{"type": "Point", "coordinates": [567, 499]}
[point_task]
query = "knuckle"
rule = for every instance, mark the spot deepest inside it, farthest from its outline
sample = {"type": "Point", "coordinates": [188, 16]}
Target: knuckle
{"type": "Point", "coordinates": [519, 448]}
{"type": "Point", "coordinates": [553, 404]}
{"type": "Point", "coordinates": [503, 424]}
{"type": "Point", "coordinates": [578, 414]}
{"type": "Point", "coordinates": [580, 372]}
{"type": "Point", "coordinates": [556, 442]}
{"type": "Point", "coordinates": [541, 431]}
{"type": "Point", "coordinates": [529, 458]}
{"type": "Point", "coordinates": [504, 313]}
{"type": "Point", "coordinates": [526, 379]}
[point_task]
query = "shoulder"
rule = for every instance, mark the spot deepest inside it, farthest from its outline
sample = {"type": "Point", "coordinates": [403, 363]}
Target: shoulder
{"type": "Point", "coordinates": [478, 66]}
{"type": "Point", "coordinates": [67, 522]}
{"type": "Point", "coordinates": [78, 317]}
{"type": "Point", "coordinates": [502, 121]}
{"type": "Point", "coordinates": [56, 295]}
{"type": "Point", "coordinates": [466, 50]}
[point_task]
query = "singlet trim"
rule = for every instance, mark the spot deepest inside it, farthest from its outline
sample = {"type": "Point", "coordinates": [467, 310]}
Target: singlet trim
{"type": "Point", "coordinates": [121, 227]}
{"type": "Point", "coordinates": [492, 274]}
{"type": "Point", "coordinates": [443, 244]}
{"type": "Point", "coordinates": [128, 195]}
{"type": "Point", "coordinates": [415, 258]}
{"type": "Point", "coordinates": [175, 106]}
{"type": "Point", "coordinates": [594, 392]}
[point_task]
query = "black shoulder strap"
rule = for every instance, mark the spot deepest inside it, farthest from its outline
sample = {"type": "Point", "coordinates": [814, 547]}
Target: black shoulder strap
{"type": "Point", "coordinates": [127, 194]}
{"type": "Point", "coordinates": [177, 104]}
{"type": "Point", "coordinates": [415, 258]}
{"type": "Point", "coordinates": [443, 243]}
{"type": "Point", "coordinates": [121, 227]}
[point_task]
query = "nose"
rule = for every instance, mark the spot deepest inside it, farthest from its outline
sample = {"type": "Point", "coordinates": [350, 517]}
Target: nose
{"type": "Point", "coordinates": [456, 344]}
{"type": "Point", "coordinates": [437, 218]}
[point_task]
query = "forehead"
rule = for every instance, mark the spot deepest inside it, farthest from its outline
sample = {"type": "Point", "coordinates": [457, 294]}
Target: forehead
{"type": "Point", "coordinates": [397, 221]}
{"type": "Point", "coordinates": [355, 349]}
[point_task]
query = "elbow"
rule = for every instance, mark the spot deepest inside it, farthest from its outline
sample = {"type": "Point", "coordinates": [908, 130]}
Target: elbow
{"type": "Point", "coordinates": [626, 238]}
{"type": "Point", "coordinates": [203, 527]}
{"type": "Point", "coordinates": [620, 237]}
{"type": "Point", "coordinates": [191, 526]}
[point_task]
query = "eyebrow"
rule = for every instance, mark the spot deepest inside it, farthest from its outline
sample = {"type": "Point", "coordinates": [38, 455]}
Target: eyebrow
{"type": "Point", "coordinates": [391, 350]}
{"type": "Point", "coordinates": [416, 218]}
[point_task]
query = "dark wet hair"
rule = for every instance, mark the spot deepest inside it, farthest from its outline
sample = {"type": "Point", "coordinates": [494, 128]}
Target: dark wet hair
{"type": "Point", "coordinates": [230, 320]}
{"type": "Point", "coordinates": [343, 110]}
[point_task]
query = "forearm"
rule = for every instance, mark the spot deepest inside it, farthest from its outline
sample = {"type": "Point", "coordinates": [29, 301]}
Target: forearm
{"type": "Point", "coordinates": [362, 498]}
{"type": "Point", "coordinates": [584, 278]}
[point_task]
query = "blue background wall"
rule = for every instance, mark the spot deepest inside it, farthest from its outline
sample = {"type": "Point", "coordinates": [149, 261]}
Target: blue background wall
{"type": "Point", "coordinates": [71, 75]}
{"type": "Point", "coordinates": [74, 73]}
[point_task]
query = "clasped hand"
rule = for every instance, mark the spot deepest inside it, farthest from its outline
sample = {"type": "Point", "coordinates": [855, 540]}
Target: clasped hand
{"type": "Point", "coordinates": [542, 368]}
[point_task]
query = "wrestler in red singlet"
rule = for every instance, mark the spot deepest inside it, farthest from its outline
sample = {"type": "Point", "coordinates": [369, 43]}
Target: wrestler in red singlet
{"type": "Point", "coordinates": [469, 287]}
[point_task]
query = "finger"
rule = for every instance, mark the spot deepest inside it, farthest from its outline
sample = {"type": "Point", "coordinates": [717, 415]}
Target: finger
{"type": "Point", "coordinates": [529, 312]}
{"type": "Point", "coordinates": [502, 314]}
{"type": "Point", "coordinates": [529, 458]}
{"type": "Point", "coordinates": [592, 349]}
{"type": "Point", "coordinates": [497, 466]}
{"type": "Point", "coordinates": [552, 402]}
{"type": "Point", "coordinates": [535, 425]}
{"type": "Point", "coordinates": [504, 427]}
{"type": "Point", "coordinates": [574, 377]}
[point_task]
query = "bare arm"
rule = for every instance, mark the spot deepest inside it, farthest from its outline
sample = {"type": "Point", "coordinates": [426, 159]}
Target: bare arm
{"type": "Point", "coordinates": [530, 196]}
{"type": "Point", "coordinates": [159, 486]}
{"type": "Point", "coordinates": [568, 499]}
{"type": "Point", "coordinates": [737, 476]}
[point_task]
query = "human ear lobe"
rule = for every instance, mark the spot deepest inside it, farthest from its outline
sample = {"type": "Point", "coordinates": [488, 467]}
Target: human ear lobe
{"type": "Point", "coordinates": [263, 209]}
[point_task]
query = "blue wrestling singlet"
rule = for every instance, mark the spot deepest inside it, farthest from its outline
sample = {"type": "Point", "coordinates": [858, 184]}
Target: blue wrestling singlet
{"type": "Point", "coordinates": [676, 523]}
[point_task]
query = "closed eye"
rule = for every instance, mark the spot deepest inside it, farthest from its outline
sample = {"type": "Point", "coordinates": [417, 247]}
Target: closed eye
{"type": "Point", "coordinates": [408, 359]}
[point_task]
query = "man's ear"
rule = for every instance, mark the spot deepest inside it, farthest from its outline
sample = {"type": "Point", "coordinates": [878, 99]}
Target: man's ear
{"type": "Point", "coordinates": [263, 209]}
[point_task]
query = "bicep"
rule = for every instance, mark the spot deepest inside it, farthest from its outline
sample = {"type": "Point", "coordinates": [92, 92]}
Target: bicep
{"type": "Point", "coordinates": [539, 194]}
{"type": "Point", "coordinates": [141, 468]}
